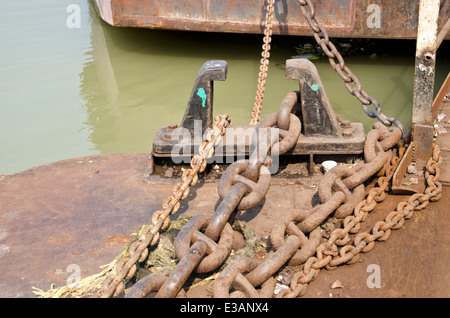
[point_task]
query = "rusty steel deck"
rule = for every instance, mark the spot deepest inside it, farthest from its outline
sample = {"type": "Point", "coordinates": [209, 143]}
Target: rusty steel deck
{"type": "Point", "coordinates": [342, 18]}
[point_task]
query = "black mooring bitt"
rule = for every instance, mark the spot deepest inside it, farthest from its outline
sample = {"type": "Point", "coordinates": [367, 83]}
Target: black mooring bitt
{"type": "Point", "coordinates": [200, 105]}
{"type": "Point", "coordinates": [318, 118]}
{"type": "Point", "coordinates": [321, 131]}
{"type": "Point", "coordinates": [198, 113]}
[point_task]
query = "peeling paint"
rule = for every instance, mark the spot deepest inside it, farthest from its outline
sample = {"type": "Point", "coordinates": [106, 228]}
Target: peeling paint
{"type": "Point", "coordinates": [202, 94]}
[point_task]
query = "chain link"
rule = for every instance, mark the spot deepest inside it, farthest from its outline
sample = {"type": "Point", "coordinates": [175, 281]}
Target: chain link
{"type": "Point", "coordinates": [334, 191]}
{"type": "Point", "coordinates": [264, 67]}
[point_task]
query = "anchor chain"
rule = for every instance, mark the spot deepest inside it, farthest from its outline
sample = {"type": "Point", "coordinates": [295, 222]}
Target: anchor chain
{"type": "Point", "coordinates": [338, 64]}
{"type": "Point", "coordinates": [210, 249]}
{"type": "Point", "coordinates": [137, 251]}
{"type": "Point", "coordinates": [248, 179]}
{"type": "Point", "coordinates": [264, 67]}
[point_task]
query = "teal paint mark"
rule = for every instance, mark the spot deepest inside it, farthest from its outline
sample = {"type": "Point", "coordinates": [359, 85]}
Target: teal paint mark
{"type": "Point", "coordinates": [315, 87]}
{"type": "Point", "coordinates": [201, 93]}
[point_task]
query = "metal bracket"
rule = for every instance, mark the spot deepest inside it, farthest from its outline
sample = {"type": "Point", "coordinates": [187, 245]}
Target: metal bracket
{"type": "Point", "coordinates": [422, 116]}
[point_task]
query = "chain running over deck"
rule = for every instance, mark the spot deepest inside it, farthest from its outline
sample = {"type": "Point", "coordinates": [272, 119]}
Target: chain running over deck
{"type": "Point", "coordinates": [296, 238]}
{"type": "Point", "coordinates": [212, 247]}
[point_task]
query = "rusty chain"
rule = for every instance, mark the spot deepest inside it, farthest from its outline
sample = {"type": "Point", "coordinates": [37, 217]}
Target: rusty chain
{"type": "Point", "coordinates": [264, 67]}
{"type": "Point", "coordinates": [243, 185]}
{"type": "Point", "coordinates": [338, 64]}
{"type": "Point", "coordinates": [205, 242]}
{"type": "Point", "coordinates": [148, 235]}
{"type": "Point", "coordinates": [330, 257]}
{"type": "Point", "coordinates": [204, 251]}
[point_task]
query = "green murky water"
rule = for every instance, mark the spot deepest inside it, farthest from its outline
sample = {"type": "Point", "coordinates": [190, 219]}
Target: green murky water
{"type": "Point", "coordinates": [70, 92]}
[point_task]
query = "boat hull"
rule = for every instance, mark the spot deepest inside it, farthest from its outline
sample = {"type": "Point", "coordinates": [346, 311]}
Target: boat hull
{"type": "Point", "coordinates": [342, 18]}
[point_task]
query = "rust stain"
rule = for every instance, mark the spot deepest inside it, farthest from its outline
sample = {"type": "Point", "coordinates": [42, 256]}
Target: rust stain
{"type": "Point", "coordinates": [56, 274]}
{"type": "Point", "coordinates": [116, 240]}
{"type": "Point", "coordinates": [260, 254]}
{"type": "Point", "coordinates": [59, 239]}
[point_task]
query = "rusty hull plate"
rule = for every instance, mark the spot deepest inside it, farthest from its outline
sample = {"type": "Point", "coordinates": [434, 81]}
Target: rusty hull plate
{"type": "Point", "coordinates": [342, 18]}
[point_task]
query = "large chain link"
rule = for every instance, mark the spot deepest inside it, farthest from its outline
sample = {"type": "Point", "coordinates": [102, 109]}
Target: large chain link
{"type": "Point", "coordinates": [264, 67]}
{"type": "Point", "coordinates": [204, 252]}
{"type": "Point", "coordinates": [336, 60]}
